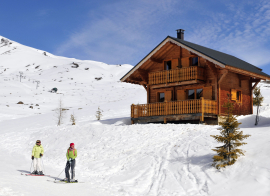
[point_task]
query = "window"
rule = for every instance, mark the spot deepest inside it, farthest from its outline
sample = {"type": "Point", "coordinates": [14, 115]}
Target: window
{"type": "Point", "coordinates": [199, 93]}
{"type": "Point", "coordinates": [161, 97]}
{"type": "Point", "coordinates": [195, 61]}
{"type": "Point", "coordinates": [191, 94]}
{"type": "Point", "coordinates": [168, 65]}
{"type": "Point", "coordinates": [195, 93]}
{"type": "Point", "coordinates": [236, 95]}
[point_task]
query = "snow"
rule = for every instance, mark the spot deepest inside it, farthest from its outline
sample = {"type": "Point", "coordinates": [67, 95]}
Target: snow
{"type": "Point", "coordinates": [114, 157]}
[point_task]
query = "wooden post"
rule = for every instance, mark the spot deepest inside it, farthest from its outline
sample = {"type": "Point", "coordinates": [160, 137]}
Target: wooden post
{"type": "Point", "coordinates": [166, 105]}
{"type": "Point", "coordinates": [148, 93]}
{"type": "Point", "coordinates": [132, 111]}
{"type": "Point", "coordinates": [165, 120]}
{"type": "Point", "coordinates": [132, 122]}
{"type": "Point", "coordinates": [202, 117]}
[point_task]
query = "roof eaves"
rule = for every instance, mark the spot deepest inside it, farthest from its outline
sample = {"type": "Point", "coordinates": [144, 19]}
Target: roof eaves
{"type": "Point", "coordinates": [144, 59]}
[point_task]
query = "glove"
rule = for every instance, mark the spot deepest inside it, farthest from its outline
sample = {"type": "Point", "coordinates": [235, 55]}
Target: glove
{"type": "Point", "coordinates": [32, 157]}
{"type": "Point", "coordinates": [41, 155]}
{"type": "Point", "coordinates": [70, 159]}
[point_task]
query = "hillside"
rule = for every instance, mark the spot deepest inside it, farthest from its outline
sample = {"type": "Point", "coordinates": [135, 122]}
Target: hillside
{"type": "Point", "coordinates": [114, 157]}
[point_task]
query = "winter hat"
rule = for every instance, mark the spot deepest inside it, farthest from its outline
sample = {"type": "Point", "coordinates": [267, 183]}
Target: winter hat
{"type": "Point", "coordinates": [71, 144]}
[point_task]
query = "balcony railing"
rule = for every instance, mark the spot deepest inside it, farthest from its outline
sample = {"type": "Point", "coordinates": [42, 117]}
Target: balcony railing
{"type": "Point", "coordinates": [176, 75]}
{"type": "Point", "coordinates": [175, 107]}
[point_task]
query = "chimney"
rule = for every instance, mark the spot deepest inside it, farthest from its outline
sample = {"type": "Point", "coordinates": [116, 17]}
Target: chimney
{"type": "Point", "coordinates": [180, 33]}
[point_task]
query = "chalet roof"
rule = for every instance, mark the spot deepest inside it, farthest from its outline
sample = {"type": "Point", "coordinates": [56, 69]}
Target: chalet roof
{"type": "Point", "coordinates": [223, 58]}
{"type": "Point", "coordinates": [219, 58]}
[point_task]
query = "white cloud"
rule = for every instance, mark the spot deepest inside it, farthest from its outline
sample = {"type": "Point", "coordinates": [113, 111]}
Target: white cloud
{"type": "Point", "coordinates": [244, 35]}
{"type": "Point", "coordinates": [115, 36]}
{"type": "Point", "coordinates": [125, 31]}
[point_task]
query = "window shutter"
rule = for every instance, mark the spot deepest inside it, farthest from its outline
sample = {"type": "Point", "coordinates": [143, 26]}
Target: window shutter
{"type": "Point", "coordinates": [185, 62]}
{"type": "Point", "coordinates": [233, 94]}
{"type": "Point", "coordinates": [175, 63]}
{"type": "Point", "coordinates": [181, 95]}
{"type": "Point", "coordinates": [207, 92]}
{"type": "Point", "coordinates": [168, 96]}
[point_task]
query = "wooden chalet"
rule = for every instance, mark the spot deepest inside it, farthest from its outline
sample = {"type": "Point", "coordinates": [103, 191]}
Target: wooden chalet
{"type": "Point", "coordinates": [188, 82]}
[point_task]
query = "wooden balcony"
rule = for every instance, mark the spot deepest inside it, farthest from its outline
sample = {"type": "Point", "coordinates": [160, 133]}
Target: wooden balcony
{"type": "Point", "coordinates": [202, 106]}
{"type": "Point", "coordinates": [176, 75]}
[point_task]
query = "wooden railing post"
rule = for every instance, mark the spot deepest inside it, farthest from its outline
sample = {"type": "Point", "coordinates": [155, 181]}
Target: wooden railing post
{"type": "Point", "coordinates": [132, 111]}
{"type": "Point", "coordinates": [202, 117]}
{"type": "Point", "coordinates": [166, 108]}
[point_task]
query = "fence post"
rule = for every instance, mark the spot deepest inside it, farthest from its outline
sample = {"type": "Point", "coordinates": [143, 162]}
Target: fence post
{"type": "Point", "coordinates": [202, 117]}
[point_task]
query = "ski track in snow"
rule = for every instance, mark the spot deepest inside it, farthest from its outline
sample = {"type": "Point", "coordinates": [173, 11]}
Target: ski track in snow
{"type": "Point", "coordinates": [142, 160]}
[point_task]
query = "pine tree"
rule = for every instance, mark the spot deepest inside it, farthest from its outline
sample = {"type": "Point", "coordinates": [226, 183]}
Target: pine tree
{"type": "Point", "coordinates": [99, 114]}
{"type": "Point", "coordinates": [257, 100]}
{"type": "Point", "coordinates": [228, 153]}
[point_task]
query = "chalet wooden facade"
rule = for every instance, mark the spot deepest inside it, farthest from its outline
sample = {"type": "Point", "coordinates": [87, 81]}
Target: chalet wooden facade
{"type": "Point", "coordinates": [188, 82]}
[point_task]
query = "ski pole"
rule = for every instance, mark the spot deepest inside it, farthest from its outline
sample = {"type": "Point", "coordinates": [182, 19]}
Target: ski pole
{"type": "Point", "coordinates": [31, 165]}
{"type": "Point", "coordinates": [61, 172]}
{"type": "Point", "coordinates": [43, 165]}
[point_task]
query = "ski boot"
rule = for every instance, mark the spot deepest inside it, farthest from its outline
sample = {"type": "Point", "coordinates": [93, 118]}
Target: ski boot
{"type": "Point", "coordinates": [40, 173]}
{"type": "Point", "coordinates": [35, 172]}
{"type": "Point", "coordinates": [64, 180]}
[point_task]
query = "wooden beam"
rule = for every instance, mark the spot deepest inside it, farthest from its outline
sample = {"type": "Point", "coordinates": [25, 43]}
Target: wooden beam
{"type": "Point", "coordinates": [212, 67]}
{"type": "Point", "coordinates": [155, 60]}
{"type": "Point", "coordinates": [247, 73]}
{"type": "Point", "coordinates": [164, 54]}
{"type": "Point", "coordinates": [177, 84]}
{"type": "Point", "coordinates": [225, 72]}
{"type": "Point", "coordinates": [255, 80]}
{"type": "Point", "coordinates": [132, 81]}
{"type": "Point", "coordinates": [142, 83]}
{"type": "Point", "coordinates": [256, 83]}
{"type": "Point", "coordinates": [143, 74]}
{"type": "Point", "coordinates": [148, 94]}
{"type": "Point", "coordinates": [164, 49]}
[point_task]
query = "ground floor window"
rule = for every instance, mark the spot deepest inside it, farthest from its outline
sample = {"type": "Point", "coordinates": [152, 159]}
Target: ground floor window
{"type": "Point", "coordinates": [161, 97]}
{"type": "Point", "coordinates": [195, 93]}
{"type": "Point", "coordinates": [236, 95]}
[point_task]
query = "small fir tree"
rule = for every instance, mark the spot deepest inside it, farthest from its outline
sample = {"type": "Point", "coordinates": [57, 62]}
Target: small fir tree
{"type": "Point", "coordinates": [99, 114]}
{"type": "Point", "coordinates": [228, 153]}
{"type": "Point", "coordinates": [257, 101]}
{"type": "Point", "coordinates": [73, 119]}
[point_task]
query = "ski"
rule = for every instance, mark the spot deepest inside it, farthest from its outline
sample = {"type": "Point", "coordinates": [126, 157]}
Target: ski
{"type": "Point", "coordinates": [63, 182]}
{"type": "Point", "coordinates": [34, 175]}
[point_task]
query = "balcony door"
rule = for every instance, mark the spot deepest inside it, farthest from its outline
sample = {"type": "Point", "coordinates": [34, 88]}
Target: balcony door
{"type": "Point", "coordinates": [165, 96]}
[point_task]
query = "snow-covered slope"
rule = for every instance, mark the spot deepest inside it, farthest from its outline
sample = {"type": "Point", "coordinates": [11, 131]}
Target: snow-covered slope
{"type": "Point", "coordinates": [114, 157]}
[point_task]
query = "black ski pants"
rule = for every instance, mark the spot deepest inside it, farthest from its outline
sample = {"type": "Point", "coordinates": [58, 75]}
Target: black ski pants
{"type": "Point", "coordinates": [70, 165]}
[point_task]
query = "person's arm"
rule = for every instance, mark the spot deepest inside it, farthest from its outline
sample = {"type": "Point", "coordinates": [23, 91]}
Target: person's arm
{"type": "Point", "coordinates": [75, 154]}
{"type": "Point", "coordinates": [42, 150]}
{"type": "Point", "coordinates": [67, 155]}
{"type": "Point", "coordinates": [33, 151]}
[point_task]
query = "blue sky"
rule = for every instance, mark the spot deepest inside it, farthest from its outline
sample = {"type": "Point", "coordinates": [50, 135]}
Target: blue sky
{"type": "Point", "coordinates": [124, 31]}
